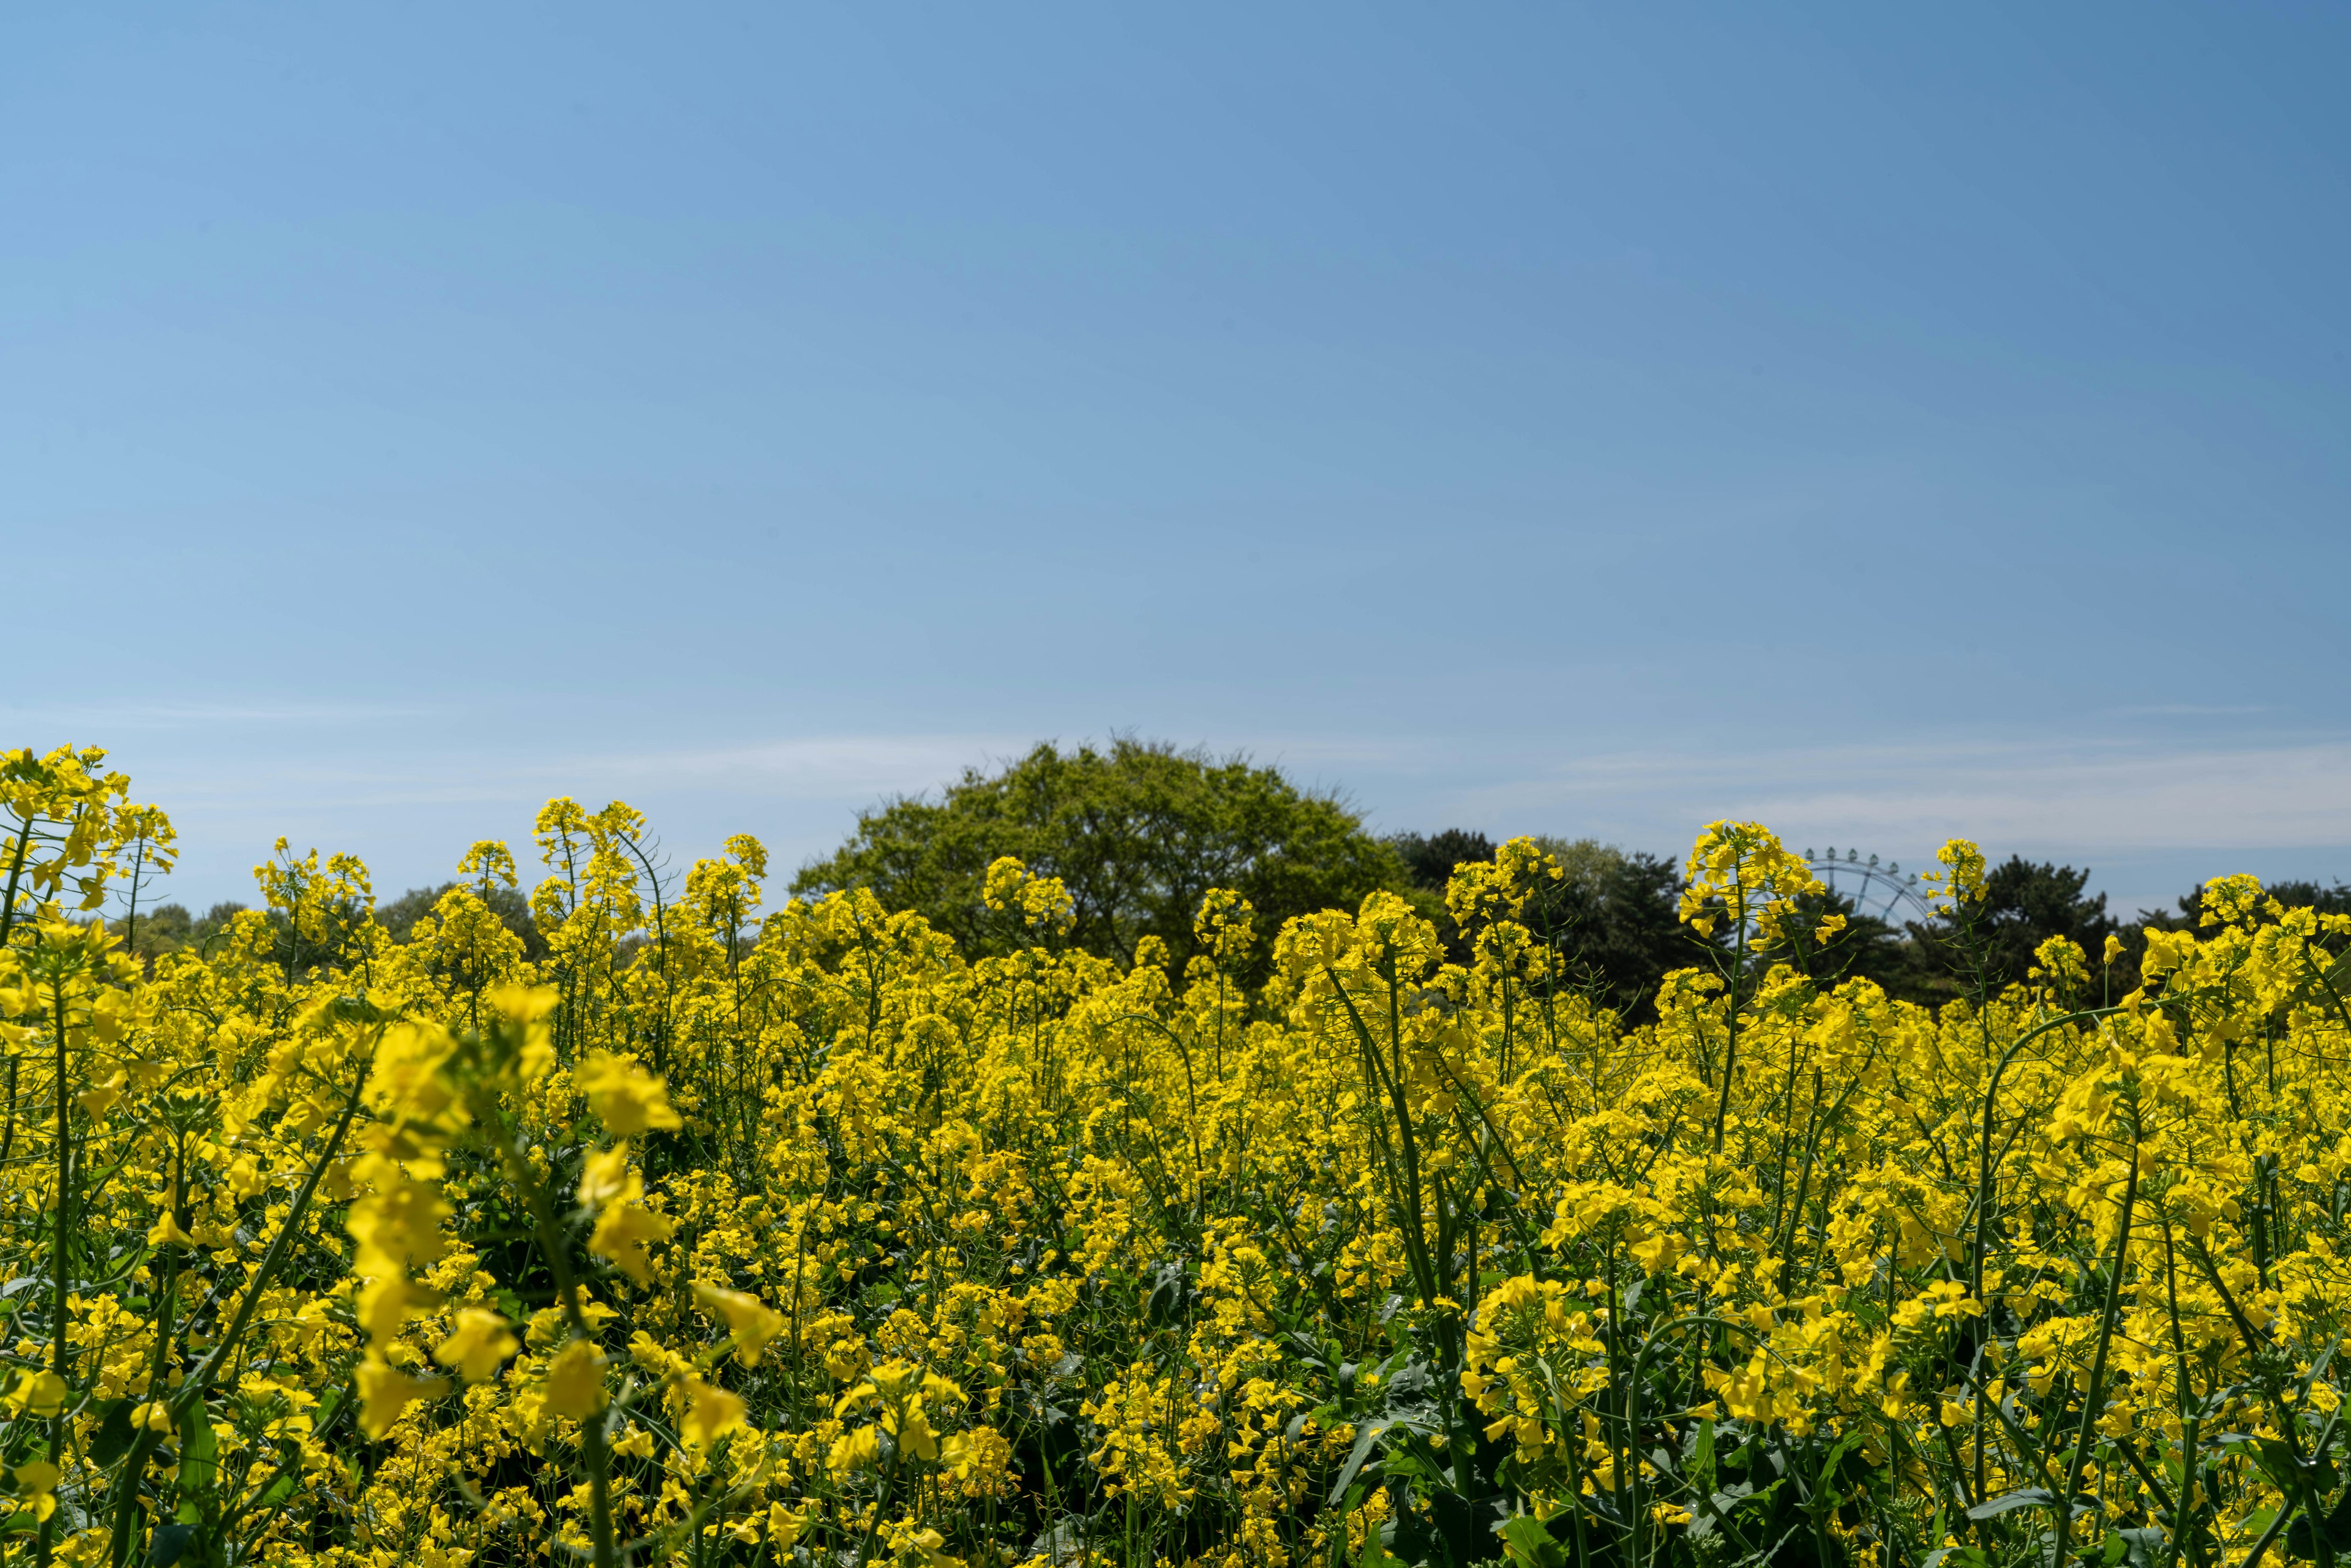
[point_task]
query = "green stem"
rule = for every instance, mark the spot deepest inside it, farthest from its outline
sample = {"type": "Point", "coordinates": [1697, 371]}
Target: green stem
{"type": "Point", "coordinates": [567, 1290]}
{"type": "Point", "coordinates": [46, 1545]}
{"type": "Point", "coordinates": [1983, 1193]}
{"type": "Point", "coordinates": [194, 1389]}
{"type": "Point", "coordinates": [2081, 1453]}
{"type": "Point", "coordinates": [15, 870]}
{"type": "Point", "coordinates": [1730, 1028]}
{"type": "Point", "coordinates": [881, 1503]}
{"type": "Point", "coordinates": [2189, 1414]}
{"type": "Point", "coordinates": [134, 1467]}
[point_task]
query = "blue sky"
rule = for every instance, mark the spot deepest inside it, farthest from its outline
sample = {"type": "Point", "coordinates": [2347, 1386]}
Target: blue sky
{"type": "Point", "coordinates": [1889, 423]}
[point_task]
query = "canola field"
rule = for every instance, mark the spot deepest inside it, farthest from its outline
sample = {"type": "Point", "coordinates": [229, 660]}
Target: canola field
{"type": "Point", "coordinates": [732, 1234]}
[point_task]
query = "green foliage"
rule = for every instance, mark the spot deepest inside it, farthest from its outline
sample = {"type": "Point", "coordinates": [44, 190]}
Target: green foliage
{"type": "Point", "coordinates": [1429, 858]}
{"type": "Point", "coordinates": [2026, 904]}
{"type": "Point", "coordinates": [1612, 915]}
{"type": "Point", "coordinates": [2298, 894]}
{"type": "Point", "coordinates": [1139, 833]}
{"type": "Point", "coordinates": [1866, 948]}
{"type": "Point", "coordinates": [169, 927]}
{"type": "Point", "coordinates": [513, 910]}
{"type": "Point", "coordinates": [2023, 905]}
{"type": "Point", "coordinates": [1612, 918]}
{"type": "Point", "coordinates": [1429, 861]}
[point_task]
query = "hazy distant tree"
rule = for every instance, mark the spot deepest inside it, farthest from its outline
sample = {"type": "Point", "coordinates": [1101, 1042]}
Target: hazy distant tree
{"type": "Point", "coordinates": [1429, 858]}
{"type": "Point", "coordinates": [512, 908]}
{"type": "Point", "coordinates": [1612, 916]}
{"type": "Point", "coordinates": [2024, 903]}
{"type": "Point", "coordinates": [1139, 832]}
{"type": "Point", "coordinates": [1865, 947]}
{"type": "Point", "coordinates": [165, 928]}
{"type": "Point", "coordinates": [169, 927]}
{"type": "Point", "coordinates": [2290, 895]}
{"type": "Point", "coordinates": [1615, 920]}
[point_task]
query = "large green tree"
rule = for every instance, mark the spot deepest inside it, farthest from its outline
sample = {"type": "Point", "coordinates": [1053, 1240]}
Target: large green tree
{"type": "Point", "coordinates": [2296, 893]}
{"type": "Point", "coordinates": [1139, 832]}
{"type": "Point", "coordinates": [1991, 943]}
{"type": "Point", "coordinates": [1612, 915]}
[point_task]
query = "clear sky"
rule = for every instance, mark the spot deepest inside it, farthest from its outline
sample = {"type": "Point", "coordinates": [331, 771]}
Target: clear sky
{"type": "Point", "coordinates": [1888, 422]}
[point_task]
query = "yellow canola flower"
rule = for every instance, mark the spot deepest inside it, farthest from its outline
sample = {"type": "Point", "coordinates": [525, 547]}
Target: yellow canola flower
{"type": "Point", "coordinates": [398, 1223]}
{"type": "Point", "coordinates": [381, 1306]}
{"type": "Point", "coordinates": [1962, 876]}
{"type": "Point", "coordinates": [482, 1340]}
{"type": "Point", "coordinates": [629, 1098]}
{"type": "Point", "coordinates": [604, 1176]}
{"type": "Point", "coordinates": [166, 1232]}
{"type": "Point", "coordinates": [711, 1412]}
{"type": "Point", "coordinates": [625, 1227]}
{"type": "Point", "coordinates": [922, 1547]}
{"type": "Point", "coordinates": [96, 1102]}
{"type": "Point", "coordinates": [1028, 1169]}
{"type": "Point", "coordinates": [410, 1082]}
{"type": "Point", "coordinates": [528, 1005]}
{"type": "Point", "coordinates": [38, 1480]}
{"type": "Point", "coordinates": [575, 1382]}
{"type": "Point", "coordinates": [385, 1391]}
{"type": "Point", "coordinates": [859, 1450]}
{"type": "Point", "coordinates": [41, 1393]}
{"type": "Point", "coordinates": [1001, 885]}
{"type": "Point", "coordinates": [913, 1430]}
{"type": "Point", "coordinates": [752, 1322]}
{"type": "Point", "coordinates": [784, 1527]}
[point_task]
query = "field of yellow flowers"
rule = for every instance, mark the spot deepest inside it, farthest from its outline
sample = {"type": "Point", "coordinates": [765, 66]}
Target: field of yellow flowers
{"type": "Point", "coordinates": [736, 1236]}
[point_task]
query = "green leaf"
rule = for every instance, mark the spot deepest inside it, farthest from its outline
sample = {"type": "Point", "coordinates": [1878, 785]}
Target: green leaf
{"type": "Point", "coordinates": [2303, 1533]}
{"type": "Point", "coordinates": [2276, 1460]}
{"type": "Point", "coordinates": [1356, 1457]}
{"type": "Point", "coordinates": [1525, 1541]}
{"type": "Point", "coordinates": [1371, 1433]}
{"type": "Point", "coordinates": [115, 1433]}
{"type": "Point", "coordinates": [2009, 1502]}
{"type": "Point", "coordinates": [198, 1448]}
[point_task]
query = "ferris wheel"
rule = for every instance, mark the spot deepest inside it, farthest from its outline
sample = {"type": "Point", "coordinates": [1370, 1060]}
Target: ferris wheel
{"type": "Point", "coordinates": [1885, 893]}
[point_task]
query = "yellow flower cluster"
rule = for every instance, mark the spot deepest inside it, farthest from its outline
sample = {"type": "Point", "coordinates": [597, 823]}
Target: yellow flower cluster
{"type": "Point", "coordinates": [799, 1237]}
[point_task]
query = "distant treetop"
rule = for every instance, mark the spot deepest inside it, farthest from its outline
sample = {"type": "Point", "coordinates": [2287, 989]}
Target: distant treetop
{"type": "Point", "coordinates": [1139, 832]}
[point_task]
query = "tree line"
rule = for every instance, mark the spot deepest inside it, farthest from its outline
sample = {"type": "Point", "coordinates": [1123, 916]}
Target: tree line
{"type": "Point", "coordinates": [1140, 830]}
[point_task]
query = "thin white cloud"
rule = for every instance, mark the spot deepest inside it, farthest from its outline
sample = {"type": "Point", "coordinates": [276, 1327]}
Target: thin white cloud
{"type": "Point", "coordinates": [2192, 710]}
{"type": "Point", "coordinates": [833, 768]}
{"type": "Point", "coordinates": [2151, 814]}
{"type": "Point", "coordinates": [825, 766]}
{"type": "Point", "coordinates": [2081, 797]}
{"type": "Point", "coordinates": [106, 719]}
